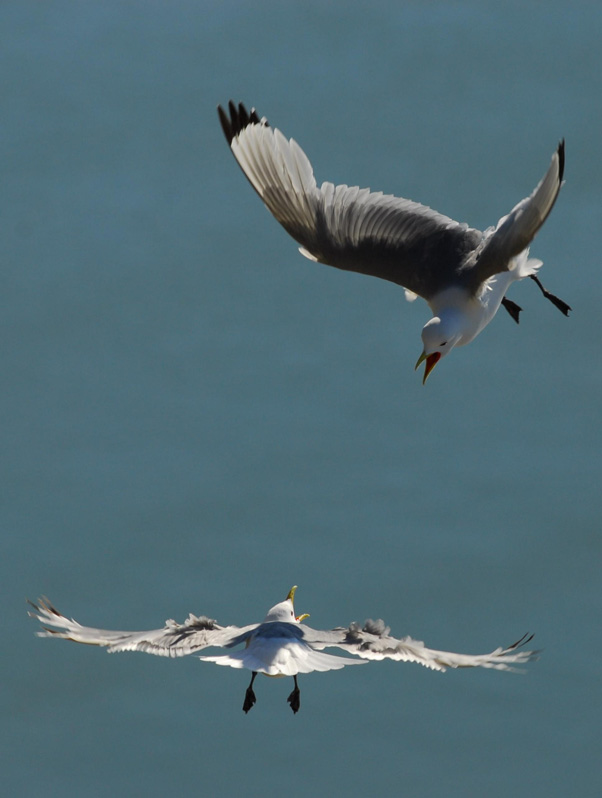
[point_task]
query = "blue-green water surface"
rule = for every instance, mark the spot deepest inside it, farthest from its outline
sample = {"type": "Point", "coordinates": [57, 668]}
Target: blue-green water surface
{"type": "Point", "coordinates": [195, 418]}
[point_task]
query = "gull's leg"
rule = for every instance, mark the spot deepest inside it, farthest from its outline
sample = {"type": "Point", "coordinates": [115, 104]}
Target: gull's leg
{"type": "Point", "coordinates": [512, 308]}
{"type": "Point", "coordinates": [562, 306]}
{"type": "Point", "coordinates": [294, 698]}
{"type": "Point", "coordinates": [249, 695]}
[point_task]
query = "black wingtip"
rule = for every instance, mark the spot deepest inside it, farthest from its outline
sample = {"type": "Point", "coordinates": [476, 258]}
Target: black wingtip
{"type": "Point", "coordinates": [243, 116]}
{"type": "Point", "coordinates": [225, 123]}
{"type": "Point", "coordinates": [560, 153]}
{"type": "Point", "coordinates": [523, 641]}
{"type": "Point", "coordinates": [239, 118]}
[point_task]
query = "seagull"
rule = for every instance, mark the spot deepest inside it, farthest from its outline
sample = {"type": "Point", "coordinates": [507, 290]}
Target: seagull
{"type": "Point", "coordinates": [462, 273]}
{"type": "Point", "coordinates": [281, 645]}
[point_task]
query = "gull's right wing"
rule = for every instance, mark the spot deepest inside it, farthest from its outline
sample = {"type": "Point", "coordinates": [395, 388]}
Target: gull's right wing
{"type": "Point", "coordinates": [347, 227]}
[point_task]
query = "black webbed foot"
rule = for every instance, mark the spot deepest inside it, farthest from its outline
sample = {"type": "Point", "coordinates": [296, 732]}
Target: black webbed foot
{"type": "Point", "coordinates": [559, 303]}
{"type": "Point", "coordinates": [294, 698]}
{"type": "Point", "coordinates": [512, 308]}
{"type": "Point", "coordinates": [250, 699]}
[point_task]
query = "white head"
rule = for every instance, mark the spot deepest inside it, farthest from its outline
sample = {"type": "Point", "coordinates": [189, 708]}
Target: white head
{"type": "Point", "coordinates": [439, 336]}
{"type": "Point", "coordinates": [285, 611]}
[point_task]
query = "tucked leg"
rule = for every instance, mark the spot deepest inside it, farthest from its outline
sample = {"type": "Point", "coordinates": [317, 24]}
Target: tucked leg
{"type": "Point", "coordinates": [512, 308]}
{"type": "Point", "coordinates": [249, 695]}
{"type": "Point", "coordinates": [294, 698]}
{"type": "Point", "coordinates": [562, 306]}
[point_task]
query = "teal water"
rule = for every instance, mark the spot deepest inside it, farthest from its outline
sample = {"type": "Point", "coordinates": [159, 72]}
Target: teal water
{"type": "Point", "coordinates": [195, 417]}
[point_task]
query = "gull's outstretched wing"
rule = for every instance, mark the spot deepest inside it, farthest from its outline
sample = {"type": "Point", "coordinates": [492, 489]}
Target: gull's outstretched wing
{"type": "Point", "coordinates": [372, 641]}
{"type": "Point", "coordinates": [174, 640]}
{"type": "Point", "coordinates": [515, 231]}
{"type": "Point", "coordinates": [347, 227]}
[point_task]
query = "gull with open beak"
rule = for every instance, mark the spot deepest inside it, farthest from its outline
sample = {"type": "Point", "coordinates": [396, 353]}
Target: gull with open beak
{"type": "Point", "coordinates": [281, 645]}
{"type": "Point", "coordinates": [461, 272]}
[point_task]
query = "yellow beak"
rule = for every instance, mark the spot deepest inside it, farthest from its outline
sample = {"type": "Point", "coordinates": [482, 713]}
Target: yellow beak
{"type": "Point", "coordinates": [431, 362]}
{"type": "Point", "coordinates": [291, 596]}
{"type": "Point", "coordinates": [420, 360]}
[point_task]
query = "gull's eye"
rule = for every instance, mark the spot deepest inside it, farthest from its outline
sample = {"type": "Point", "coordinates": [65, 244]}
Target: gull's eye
{"type": "Point", "coordinates": [443, 344]}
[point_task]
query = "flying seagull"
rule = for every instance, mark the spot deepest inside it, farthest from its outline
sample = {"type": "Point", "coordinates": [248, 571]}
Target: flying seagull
{"type": "Point", "coordinates": [281, 645]}
{"type": "Point", "coordinates": [461, 272]}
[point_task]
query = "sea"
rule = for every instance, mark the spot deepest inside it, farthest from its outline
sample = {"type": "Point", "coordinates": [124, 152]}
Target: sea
{"type": "Point", "coordinates": [196, 418]}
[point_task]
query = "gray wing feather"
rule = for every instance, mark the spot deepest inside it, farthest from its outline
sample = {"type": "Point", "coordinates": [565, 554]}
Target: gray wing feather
{"type": "Point", "coordinates": [370, 642]}
{"type": "Point", "coordinates": [515, 231]}
{"type": "Point", "coordinates": [174, 640]}
{"type": "Point", "coordinates": [347, 227]}
{"type": "Point", "coordinates": [373, 641]}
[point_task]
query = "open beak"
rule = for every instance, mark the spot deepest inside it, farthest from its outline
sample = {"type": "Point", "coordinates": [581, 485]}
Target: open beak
{"type": "Point", "coordinates": [291, 596]}
{"type": "Point", "coordinates": [431, 362]}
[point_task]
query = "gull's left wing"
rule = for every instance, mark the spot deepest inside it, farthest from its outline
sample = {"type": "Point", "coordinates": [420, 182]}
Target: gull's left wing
{"type": "Point", "coordinates": [174, 640]}
{"type": "Point", "coordinates": [373, 641]}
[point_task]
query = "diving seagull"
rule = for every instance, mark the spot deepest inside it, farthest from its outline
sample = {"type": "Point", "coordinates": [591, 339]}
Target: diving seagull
{"type": "Point", "coordinates": [281, 645]}
{"type": "Point", "coordinates": [461, 272]}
